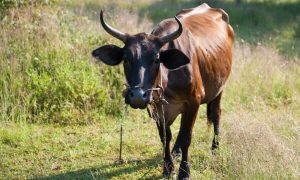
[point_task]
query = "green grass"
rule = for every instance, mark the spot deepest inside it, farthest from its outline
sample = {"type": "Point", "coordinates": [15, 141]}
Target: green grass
{"type": "Point", "coordinates": [60, 110]}
{"type": "Point", "coordinates": [250, 149]}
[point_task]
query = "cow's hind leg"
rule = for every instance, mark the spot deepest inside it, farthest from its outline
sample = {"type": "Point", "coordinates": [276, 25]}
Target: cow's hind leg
{"type": "Point", "coordinates": [213, 117]}
{"type": "Point", "coordinates": [168, 169]}
{"type": "Point", "coordinates": [185, 136]}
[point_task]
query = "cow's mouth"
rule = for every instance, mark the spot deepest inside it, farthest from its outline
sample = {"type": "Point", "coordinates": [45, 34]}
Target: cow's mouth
{"type": "Point", "coordinates": [138, 106]}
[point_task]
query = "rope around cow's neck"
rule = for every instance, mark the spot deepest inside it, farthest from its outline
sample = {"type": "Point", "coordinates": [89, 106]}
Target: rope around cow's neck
{"type": "Point", "coordinates": [161, 101]}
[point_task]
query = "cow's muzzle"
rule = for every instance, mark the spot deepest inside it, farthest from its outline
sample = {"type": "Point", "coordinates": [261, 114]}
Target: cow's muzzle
{"type": "Point", "coordinates": [137, 98]}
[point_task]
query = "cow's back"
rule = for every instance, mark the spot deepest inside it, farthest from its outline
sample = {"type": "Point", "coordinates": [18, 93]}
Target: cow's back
{"type": "Point", "coordinates": [211, 37]}
{"type": "Point", "coordinates": [208, 28]}
{"type": "Point", "coordinates": [207, 40]}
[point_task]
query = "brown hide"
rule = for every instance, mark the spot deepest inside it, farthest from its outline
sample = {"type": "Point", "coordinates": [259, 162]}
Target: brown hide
{"type": "Point", "coordinates": [207, 40]}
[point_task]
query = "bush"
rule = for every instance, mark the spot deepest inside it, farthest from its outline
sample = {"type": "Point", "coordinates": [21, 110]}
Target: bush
{"type": "Point", "coordinates": [46, 70]}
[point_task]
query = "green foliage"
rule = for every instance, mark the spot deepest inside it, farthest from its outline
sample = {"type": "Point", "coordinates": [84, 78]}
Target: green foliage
{"type": "Point", "coordinates": [49, 75]}
{"type": "Point", "coordinates": [74, 89]}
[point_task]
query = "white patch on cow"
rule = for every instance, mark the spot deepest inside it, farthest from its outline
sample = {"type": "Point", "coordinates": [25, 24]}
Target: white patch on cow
{"type": "Point", "coordinates": [138, 51]}
{"type": "Point", "coordinates": [142, 71]}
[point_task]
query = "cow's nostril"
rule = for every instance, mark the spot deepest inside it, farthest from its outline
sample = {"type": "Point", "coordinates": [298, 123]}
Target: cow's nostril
{"type": "Point", "coordinates": [131, 94]}
{"type": "Point", "coordinates": [145, 95]}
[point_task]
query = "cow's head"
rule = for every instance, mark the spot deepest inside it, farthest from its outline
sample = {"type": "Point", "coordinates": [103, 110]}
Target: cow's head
{"type": "Point", "coordinates": [141, 58]}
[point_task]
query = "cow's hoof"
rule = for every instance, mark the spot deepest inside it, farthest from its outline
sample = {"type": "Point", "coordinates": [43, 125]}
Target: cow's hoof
{"type": "Point", "coordinates": [184, 171]}
{"type": "Point", "coordinates": [214, 148]}
{"type": "Point", "coordinates": [172, 175]}
{"type": "Point", "coordinates": [168, 170]}
{"type": "Point", "coordinates": [176, 153]}
{"type": "Point", "coordinates": [214, 151]}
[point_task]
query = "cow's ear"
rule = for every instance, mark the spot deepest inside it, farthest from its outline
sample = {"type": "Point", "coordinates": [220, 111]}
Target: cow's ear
{"type": "Point", "coordinates": [109, 54]}
{"type": "Point", "coordinates": [173, 58]}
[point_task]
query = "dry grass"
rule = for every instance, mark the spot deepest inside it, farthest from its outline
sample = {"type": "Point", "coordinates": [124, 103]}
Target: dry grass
{"type": "Point", "coordinates": [258, 149]}
{"type": "Point", "coordinates": [263, 78]}
{"type": "Point", "coordinates": [261, 130]}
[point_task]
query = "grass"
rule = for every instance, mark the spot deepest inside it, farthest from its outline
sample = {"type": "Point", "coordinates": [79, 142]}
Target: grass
{"type": "Point", "coordinates": [254, 145]}
{"type": "Point", "coordinates": [60, 110]}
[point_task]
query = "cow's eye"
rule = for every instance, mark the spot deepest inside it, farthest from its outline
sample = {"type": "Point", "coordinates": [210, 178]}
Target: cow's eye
{"type": "Point", "coordinates": [125, 61]}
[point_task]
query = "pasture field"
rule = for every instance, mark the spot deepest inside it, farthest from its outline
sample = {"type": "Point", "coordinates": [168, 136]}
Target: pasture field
{"type": "Point", "coordinates": [60, 110]}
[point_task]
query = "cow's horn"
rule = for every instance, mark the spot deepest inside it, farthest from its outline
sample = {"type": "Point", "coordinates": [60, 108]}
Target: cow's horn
{"type": "Point", "coordinates": [115, 33]}
{"type": "Point", "coordinates": [174, 35]}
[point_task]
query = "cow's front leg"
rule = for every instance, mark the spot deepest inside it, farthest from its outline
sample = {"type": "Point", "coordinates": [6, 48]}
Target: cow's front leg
{"type": "Point", "coordinates": [185, 137]}
{"type": "Point", "coordinates": [168, 167]}
{"type": "Point", "coordinates": [176, 151]}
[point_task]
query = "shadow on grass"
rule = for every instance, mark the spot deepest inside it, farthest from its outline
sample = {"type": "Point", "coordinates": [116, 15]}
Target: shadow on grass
{"type": "Point", "coordinates": [254, 22]}
{"type": "Point", "coordinates": [113, 170]}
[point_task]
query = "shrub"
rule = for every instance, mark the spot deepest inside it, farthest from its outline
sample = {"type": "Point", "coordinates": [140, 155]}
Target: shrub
{"type": "Point", "coordinates": [47, 74]}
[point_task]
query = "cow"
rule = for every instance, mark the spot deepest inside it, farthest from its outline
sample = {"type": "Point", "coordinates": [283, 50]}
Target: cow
{"type": "Point", "coordinates": [189, 58]}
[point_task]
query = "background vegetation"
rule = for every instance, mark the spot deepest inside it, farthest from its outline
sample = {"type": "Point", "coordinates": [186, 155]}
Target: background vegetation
{"type": "Point", "coordinates": [60, 110]}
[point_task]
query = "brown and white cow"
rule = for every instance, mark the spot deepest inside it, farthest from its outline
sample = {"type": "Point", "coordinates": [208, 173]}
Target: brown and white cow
{"type": "Point", "coordinates": [191, 57]}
